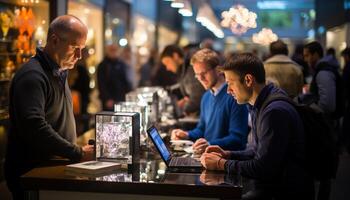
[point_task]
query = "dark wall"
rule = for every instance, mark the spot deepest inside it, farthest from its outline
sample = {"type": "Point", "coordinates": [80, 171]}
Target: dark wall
{"type": "Point", "coordinates": [119, 9]}
{"type": "Point", "coordinates": [330, 13]}
{"type": "Point", "coordinates": [169, 16]}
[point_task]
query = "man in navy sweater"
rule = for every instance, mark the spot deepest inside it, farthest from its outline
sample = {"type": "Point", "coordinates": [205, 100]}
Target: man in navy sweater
{"type": "Point", "coordinates": [275, 160]}
{"type": "Point", "coordinates": [222, 121]}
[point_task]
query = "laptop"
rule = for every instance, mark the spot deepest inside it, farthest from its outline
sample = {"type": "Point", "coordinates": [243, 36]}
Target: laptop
{"type": "Point", "coordinates": [172, 163]}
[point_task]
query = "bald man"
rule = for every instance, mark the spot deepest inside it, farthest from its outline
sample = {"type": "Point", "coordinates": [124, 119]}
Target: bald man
{"type": "Point", "coordinates": [41, 113]}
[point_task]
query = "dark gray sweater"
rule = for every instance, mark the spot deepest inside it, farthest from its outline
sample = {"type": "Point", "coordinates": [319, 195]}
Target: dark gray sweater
{"type": "Point", "coordinates": [41, 117]}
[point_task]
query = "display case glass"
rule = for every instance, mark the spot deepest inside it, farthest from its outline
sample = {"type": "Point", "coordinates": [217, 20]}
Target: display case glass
{"type": "Point", "coordinates": [144, 112]}
{"type": "Point", "coordinates": [156, 98]}
{"type": "Point", "coordinates": [118, 137]}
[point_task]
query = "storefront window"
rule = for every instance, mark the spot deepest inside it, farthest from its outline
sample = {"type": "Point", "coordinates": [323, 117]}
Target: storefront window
{"type": "Point", "coordinates": [24, 26]}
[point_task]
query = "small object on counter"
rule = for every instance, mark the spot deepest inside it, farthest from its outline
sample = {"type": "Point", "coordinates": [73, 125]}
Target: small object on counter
{"type": "Point", "coordinates": [181, 145]}
{"type": "Point", "coordinates": [93, 167]}
{"type": "Point", "coordinates": [181, 142]}
{"type": "Point", "coordinates": [188, 149]}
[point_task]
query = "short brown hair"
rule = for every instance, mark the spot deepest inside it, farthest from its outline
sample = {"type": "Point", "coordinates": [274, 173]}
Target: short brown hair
{"type": "Point", "coordinates": [245, 63]}
{"type": "Point", "coordinates": [170, 50]}
{"type": "Point", "coordinates": [207, 56]}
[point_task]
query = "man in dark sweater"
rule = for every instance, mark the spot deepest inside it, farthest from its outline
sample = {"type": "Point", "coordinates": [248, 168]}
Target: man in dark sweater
{"type": "Point", "coordinates": [112, 78]}
{"type": "Point", "coordinates": [222, 121]}
{"type": "Point", "coordinates": [324, 77]}
{"type": "Point", "coordinates": [275, 158]}
{"type": "Point", "coordinates": [173, 59]}
{"type": "Point", "coordinates": [41, 113]}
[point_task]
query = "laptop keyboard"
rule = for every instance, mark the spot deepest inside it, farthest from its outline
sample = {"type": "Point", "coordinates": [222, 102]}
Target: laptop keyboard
{"type": "Point", "coordinates": [179, 161]}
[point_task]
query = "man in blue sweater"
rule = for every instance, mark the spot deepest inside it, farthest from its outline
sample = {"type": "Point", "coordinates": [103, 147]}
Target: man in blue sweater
{"type": "Point", "coordinates": [275, 159]}
{"type": "Point", "coordinates": [222, 121]}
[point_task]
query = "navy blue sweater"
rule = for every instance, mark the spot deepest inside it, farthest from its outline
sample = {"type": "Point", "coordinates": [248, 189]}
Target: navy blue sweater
{"type": "Point", "coordinates": [276, 151]}
{"type": "Point", "coordinates": [222, 121]}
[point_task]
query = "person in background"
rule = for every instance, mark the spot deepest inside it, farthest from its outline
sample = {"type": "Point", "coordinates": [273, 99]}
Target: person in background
{"type": "Point", "coordinates": [79, 82]}
{"type": "Point", "coordinates": [41, 113]}
{"type": "Point", "coordinates": [275, 161]}
{"type": "Point", "coordinates": [112, 78]}
{"type": "Point", "coordinates": [188, 52]}
{"type": "Point", "coordinates": [282, 71]}
{"type": "Point", "coordinates": [126, 56]}
{"type": "Point", "coordinates": [299, 59]}
{"type": "Point", "coordinates": [82, 82]}
{"type": "Point", "coordinates": [346, 80]}
{"type": "Point", "coordinates": [148, 69]}
{"type": "Point", "coordinates": [332, 59]}
{"type": "Point", "coordinates": [173, 59]}
{"type": "Point", "coordinates": [326, 90]}
{"type": "Point", "coordinates": [325, 80]}
{"type": "Point", "coordinates": [162, 77]}
{"type": "Point", "coordinates": [222, 121]}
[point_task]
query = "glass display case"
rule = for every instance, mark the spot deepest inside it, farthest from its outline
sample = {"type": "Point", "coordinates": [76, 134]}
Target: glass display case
{"type": "Point", "coordinates": [118, 137]}
{"type": "Point", "coordinates": [156, 98]}
{"type": "Point", "coordinates": [144, 111]}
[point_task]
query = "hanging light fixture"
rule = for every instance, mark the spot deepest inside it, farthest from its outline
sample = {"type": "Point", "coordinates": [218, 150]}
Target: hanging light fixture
{"type": "Point", "coordinates": [264, 37]}
{"type": "Point", "coordinates": [177, 4]}
{"type": "Point", "coordinates": [239, 19]}
{"type": "Point", "coordinates": [186, 11]}
{"type": "Point", "coordinates": [207, 18]}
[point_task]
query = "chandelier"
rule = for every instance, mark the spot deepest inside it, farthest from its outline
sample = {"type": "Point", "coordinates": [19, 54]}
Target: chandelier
{"type": "Point", "coordinates": [264, 37]}
{"type": "Point", "coordinates": [239, 19]}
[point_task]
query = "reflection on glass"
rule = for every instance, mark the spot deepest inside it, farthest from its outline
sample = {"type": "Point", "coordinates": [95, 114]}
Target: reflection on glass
{"type": "Point", "coordinates": [113, 137]}
{"type": "Point", "coordinates": [156, 99]}
{"type": "Point", "coordinates": [219, 178]}
{"type": "Point", "coordinates": [119, 177]}
{"type": "Point", "coordinates": [144, 111]}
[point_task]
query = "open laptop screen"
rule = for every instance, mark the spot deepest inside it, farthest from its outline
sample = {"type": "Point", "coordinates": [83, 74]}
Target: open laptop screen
{"type": "Point", "coordinates": [159, 143]}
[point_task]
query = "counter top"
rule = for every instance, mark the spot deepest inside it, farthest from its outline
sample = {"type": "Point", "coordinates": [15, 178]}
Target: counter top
{"type": "Point", "coordinates": [146, 178]}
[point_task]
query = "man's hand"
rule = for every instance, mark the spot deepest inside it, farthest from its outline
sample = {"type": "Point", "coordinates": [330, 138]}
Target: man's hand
{"type": "Point", "coordinates": [213, 161]}
{"type": "Point", "coordinates": [218, 150]}
{"type": "Point", "coordinates": [178, 134]}
{"type": "Point", "coordinates": [181, 103]}
{"type": "Point", "coordinates": [200, 145]}
{"type": "Point", "coordinates": [88, 153]}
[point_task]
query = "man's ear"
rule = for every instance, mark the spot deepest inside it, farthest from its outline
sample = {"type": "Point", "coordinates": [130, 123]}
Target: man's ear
{"type": "Point", "coordinates": [54, 39]}
{"type": "Point", "coordinates": [248, 80]}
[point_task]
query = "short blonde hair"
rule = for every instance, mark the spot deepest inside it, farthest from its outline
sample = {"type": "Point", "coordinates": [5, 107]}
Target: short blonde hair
{"type": "Point", "coordinates": [207, 56]}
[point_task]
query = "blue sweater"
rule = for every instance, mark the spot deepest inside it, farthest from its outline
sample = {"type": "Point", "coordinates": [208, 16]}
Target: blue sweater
{"type": "Point", "coordinates": [222, 121]}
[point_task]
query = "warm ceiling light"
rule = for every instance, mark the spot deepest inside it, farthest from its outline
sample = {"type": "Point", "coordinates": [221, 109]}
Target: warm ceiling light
{"type": "Point", "coordinates": [207, 18]}
{"type": "Point", "coordinates": [264, 37]}
{"type": "Point", "coordinates": [239, 19]}
{"type": "Point", "coordinates": [177, 4]}
{"type": "Point", "coordinates": [186, 11]}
